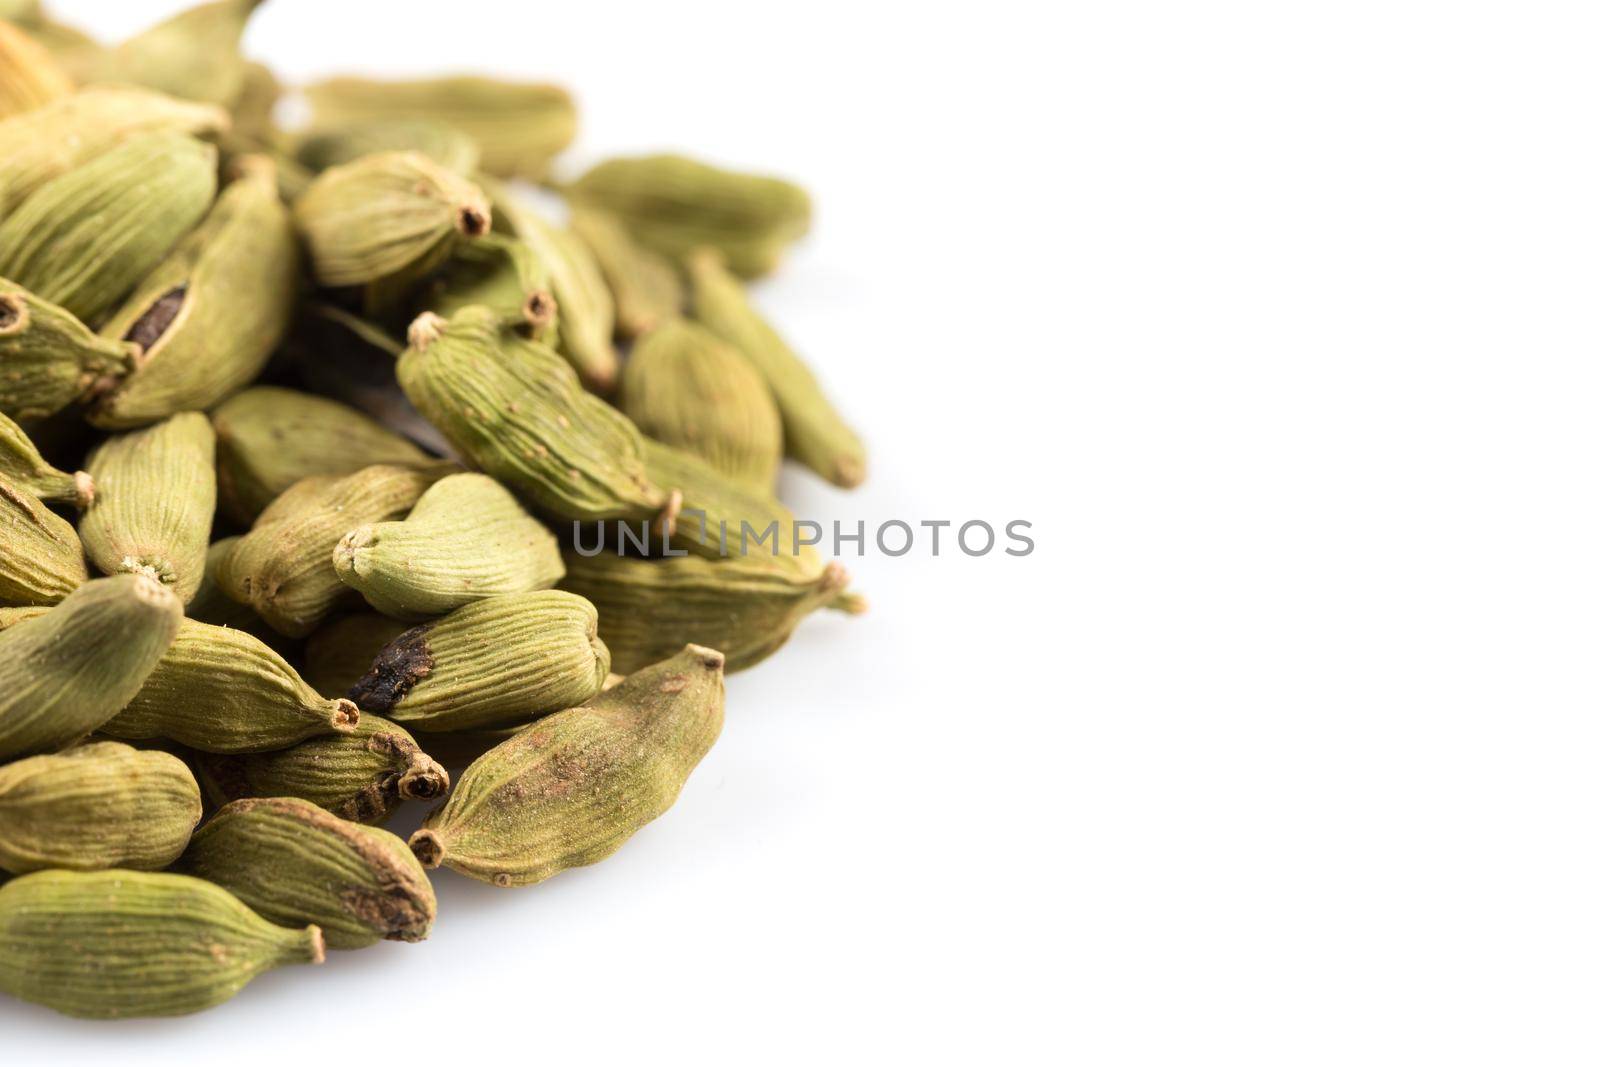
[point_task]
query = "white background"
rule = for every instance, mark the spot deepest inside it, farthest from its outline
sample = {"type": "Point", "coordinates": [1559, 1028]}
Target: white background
{"type": "Point", "coordinates": [1277, 320]}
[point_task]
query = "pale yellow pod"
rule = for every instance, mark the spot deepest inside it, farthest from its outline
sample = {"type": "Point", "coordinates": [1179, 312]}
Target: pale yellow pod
{"type": "Point", "coordinates": [29, 75]}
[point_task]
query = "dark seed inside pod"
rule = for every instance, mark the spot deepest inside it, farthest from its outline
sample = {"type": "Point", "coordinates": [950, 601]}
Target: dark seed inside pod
{"type": "Point", "coordinates": [150, 326]}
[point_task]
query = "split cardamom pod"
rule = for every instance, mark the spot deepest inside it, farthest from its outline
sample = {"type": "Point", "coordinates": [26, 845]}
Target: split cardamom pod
{"type": "Point", "coordinates": [193, 55]}
{"type": "Point", "coordinates": [48, 359]}
{"type": "Point", "coordinates": [645, 287]}
{"type": "Point", "coordinates": [121, 944]}
{"type": "Point", "coordinates": [41, 558]}
{"type": "Point", "coordinates": [30, 76]}
{"type": "Point", "coordinates": [295, 864]}
{"type": "Point", "coordinates": [96, 806]}
{"type": "Point", "coordinates": [340, 651]}
{"type": "Point", "coordinates": [498, 662]}
{"type": "Point", "coordinates": [569, 790]}
{"type": "Point", "coordinates": [23, 466]}
{"type": "Point", "coordinates": [466, 540]}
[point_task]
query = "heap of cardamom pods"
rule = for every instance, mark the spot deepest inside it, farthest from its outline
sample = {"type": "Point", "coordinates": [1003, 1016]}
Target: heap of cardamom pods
{"type": "Point", "coordinates": [322, 448]}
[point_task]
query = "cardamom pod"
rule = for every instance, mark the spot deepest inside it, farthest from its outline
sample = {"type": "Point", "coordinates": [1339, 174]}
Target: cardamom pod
{"type": "Point", "coordinates": [268, 438]}
{"type": "Point", "coordinates": [813, 431]}
{"type": "Point", "coordinates": [362, 776]}
{"type": "Point", "coordinates": [341, 650]}
{"type": "Point", "coordinates": [25, 468]}
{"type": "Point", "coordinates": [569, 790]}
{"type": "Point", "coordinates": [76, 51]}
{"type": "Point", "coordinates": [520, 127]}
{"type": "Point", "coordinates": [30, 76]}
{"type": "Point", "coordinates": [466, 540]}
{"type": "Point", "coordinates": [254, 108]}
{"type": "Point", "coordinates": [295, 864]}
{"type": "Point", "coordinates": [674, 204]}
{"type": "Point", "coordinates": [284, 566]}
{"type": "Point", "coordinates": [333, 146]}
{"type": "Point", "coordinates": [157, 496]}
{"type": "Point", "coordinates": [96, 806]}
{"type": "Point", "coordinates": [85, 239]}
{"type": "Point", "coordinates": [645, 287]}
{"type": "Point", "coordinates": [41, 145]}
{"type": "Point", "coordinates": [516, 410]}
{"type": "Point", "coordinates": [121, 944]}
{"type": "Point", "coordinates": [499, 662]}
{"type": "Point", "coordinates": [220, 690]}
{"type": "Point", "coordinates": [210, 316]}
{"type": "Point", "coordinates": [67, 672]}
{"type": "Point", "coordinates": [193, 55]}
{"type": "Point", "coordinates": [212, 605]}
{"type": "Point", "coordinates": [501, 273]}
{"type": "Point", "coordinates": [720, 517]}
{"type": "Point", "coordinates": [48, 359]}
{"type": "Point", "coordinates": [393, 214]}
{"type": "Point", "coordinates": [41, 558]}
{"type": "Point", "coordinates": [686, 387]}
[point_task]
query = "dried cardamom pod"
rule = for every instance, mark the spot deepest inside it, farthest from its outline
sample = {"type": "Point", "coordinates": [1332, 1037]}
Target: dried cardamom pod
{"type": "Point", "coordinates": [212, 605]}
{"type": "Point", "coordinates": [96, 806]}
{"type": "Point", "coordinates": [210, 316]}
{"type": "Point", "coordinates": [85, 239]}
{"type": "Point", "coordinates": [30, 76]}
{"type": "Point", "coordinates": [674, 205]}
{"type": "Point", "coordinates": [743, 605]}
{"type": "Point", "coordinates": [220, 690]}
{"type": "Point", "coordinates": [41, 558]}
{"type": "Point", "coordinates": [813, 432]}
{"type": "Point", "coordinates": [47, 142]}
{"type": "Point", "coordinates": [466, 540]}
{"type": "Point", "coordinates": [645, 287]}
{"type": "Point", "coordinates": [720, 517]}
{"type": "Point", "coordinates": [268, 438]}
{"type": "Point", "coordinates": [193, 55]}
{"type": "Point", "coordinates": [569, 790]}
{"type": "Point", "coordinates": [588, 317]}
{"type": "Point", "coordinates": [341, 650]}
{"type": "Point", "coordinates": [253, 108]}
{"type": "Point", "coordinates": [362, 776]}
{"type": "Point", "coordinates": [295, 864]}
{"type": "Point", "coordinates": [516, 410]}
{"type": "Point", "coordinates": [385, 216]}
{"type": "Point", "coordinates": [446, 145]}
{"type": "Point", "coordinates": [157, 496]}
{"type": "Point", "coordinates": [121, 944]}
{"type": "Point", "coordinates": [23, 466]}
{"type": "Point", "coordinates": [284, 566]}
{"type": "Point", "coordinates": [48, 359]}
{"type": "Point", "coordinates": [76, 51]}
{"type": "Point", "coordinates": [686, 387]}
{"type": "Point", "coordinates": [501, 273]}
{"type": "Point", "coordinates": [499, 662]}
{"type": "Point", "coordinates": [520, 127]}
{"type": "Point", "coordinates": [69, 671]}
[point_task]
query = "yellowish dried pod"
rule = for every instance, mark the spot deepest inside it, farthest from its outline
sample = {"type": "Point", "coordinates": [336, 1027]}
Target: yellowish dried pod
{"type": "Point", "coordinates": [41, 558]}
{"type": "Point", "coordinates": [296, 864]}
{"type": "Point", "coordinates": [448, 146]}
{"type": "Point", "coordinates": [30, 76]}
{"type": "Point", "coordinates": [218, 689]}
{"type": "Point", "coordinates": [193, 55]}
{"type": "Point", "coordinates": [519, 126]}
{"type": "Point", "coordinates": [48, 359]}
{"type": "Point", "coordinates": [23, 466]}
{"type": "Point", "coordinates": [96, 806]}
{"type": "Point", "coordinates": [122, 944]}
{"type": "Point", "coordinates": [569, 790]}
{"type": "Point", "coordinates": [466, 540]}
{"type": "Point", "coordinates": [645, 287]}
{"type": "Point", "coordinates": [499, 662]}
{"type": "Point", "coordinates": [157, 495]}
{"type": "Point", "coordinates": [210, 316]}
{"type": "Point", "coordinates": [686, 387]}
{"type": "Point", "coordinates": [341, 650]}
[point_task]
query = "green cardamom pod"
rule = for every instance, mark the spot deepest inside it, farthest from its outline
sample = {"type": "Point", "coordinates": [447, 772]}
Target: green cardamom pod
{"type": "Point", "coordinates": [645, 287]}
{"type": "Point", "coordinates": [210, 316]}
{"type": "Point", "coordinates": [121, 944]}
{"type": "Point", "coordinates": [254, 107]}
{"type": "Point", "coordinates": [220, 690]}
{"type": "Point", "coordinates": [341, 650]}
{"type": "Point", "coordinates": [268, 438]}
{"type": "Point", "coordinates": [362, 776]}
{"type": "Point", "coordinates": [686, 387]}
{"type": "Point", "coordinates": [96, 806]}
{"type": "Point", "coordinates": [157, 495]}
{"type": "Point", "coordinates": [446, 145]}
{"type": "Point", "coordinates": [674, 205]}
{"type": "Point", "coordinates": [466, 540]}
{"type": "Point", "coordinates": [283, 567]}
{"type": "Point", "coordinates": [41, 558]}
{"type": "Point", "coordinates": [30, 76]}
{"type": "Point", "coordinates": [501, 273]}
{"type": "Point", "coordinates": [499, 662]}
{"type": "Point", "coordinates": [813, 431]}
{"type": "Point", "coordinates": [69, 671]}
{"type": "Point", "coordinates": [569, 790]}
{"type": "Point", "coordinates": [519, 127]}
{"type": "Point", "coordinates": [721, 517]}
{"type": "Point", "coordinates": [516, 410]}
{"type": "Point", "coordinates": [193, 55]}
{"type": "Point", "coordinates": [86, 238]}
{"type": "Point", "coordinates": [295, 864]}
{"type": "Point", "coordinates": [24, 467]}
{"type": "Point", "coordinates": [48, 359]}
{"type": "Point", "coordinates": [389, 215]}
